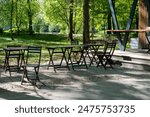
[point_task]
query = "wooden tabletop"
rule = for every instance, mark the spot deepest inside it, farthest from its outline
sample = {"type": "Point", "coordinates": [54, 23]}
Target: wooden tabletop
{"type": "Point", "coordinates": [131, 30]}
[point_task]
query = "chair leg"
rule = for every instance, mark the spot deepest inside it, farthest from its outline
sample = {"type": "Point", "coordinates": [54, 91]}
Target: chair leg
{"type": "Point", "coordinates": [108, 61]}
{"type": "Point", "coordinates": [70, 60]}
{"type": "Point", "coordinates": [98, 63]}
{"type": "Point", "coordinates": [93, 59]}
{"type": "Point", "coordinates": [9, 69]}
{"type": "Point", "coordinates": [51, 61]}
{"type": "Point", "coordinates": [82, 60]}
{"type": "Point", "coordinates": [67, 63]}
{"type": "Point", "coordinates": [101, 59]}
{"type": "Point", "coordinates": [22, 79]}
{"type": "Point", "coordinates": [37, 76]}
{"type": "Point", "coordinates": [25, 75]}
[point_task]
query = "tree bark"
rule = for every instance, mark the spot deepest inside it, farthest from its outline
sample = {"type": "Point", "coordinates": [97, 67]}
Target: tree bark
{"type": "Point", "coordinates": [92, 20]}
{"type": "Point", "coordinates": [30, 17]}
{"type": "Point", "coordinates": [11, 19]}
{"type": "Point", "coordinates": [85, 21]}
{"type": "Point", "coordinates": [143, 22]}
{"type": "Point", "coordinates": [17, 18]}
{"type": "Point", "coordinates": [109, 22]}
{"type": "Point", "coordinates": [71, 20]}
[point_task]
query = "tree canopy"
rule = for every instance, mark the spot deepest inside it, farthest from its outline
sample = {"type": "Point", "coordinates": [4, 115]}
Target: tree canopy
{"type": "Point", "coordinates": [61, 16]}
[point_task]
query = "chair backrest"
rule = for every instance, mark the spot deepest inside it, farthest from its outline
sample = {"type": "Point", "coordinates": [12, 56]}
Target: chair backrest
{"type": "Point", "coordinates": [34, 55]}
{"type": "Point", "coordinates": [110, 48]}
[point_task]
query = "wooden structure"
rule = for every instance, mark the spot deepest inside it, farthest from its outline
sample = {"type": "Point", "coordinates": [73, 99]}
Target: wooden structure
{"type": "Point", "coordinates": [144, 21]}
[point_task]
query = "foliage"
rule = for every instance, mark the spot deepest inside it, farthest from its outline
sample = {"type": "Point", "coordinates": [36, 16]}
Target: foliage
{"type": "Point", "coordinates": [55, 13]}
{"type": "Point", "coordinates": [20, 13]}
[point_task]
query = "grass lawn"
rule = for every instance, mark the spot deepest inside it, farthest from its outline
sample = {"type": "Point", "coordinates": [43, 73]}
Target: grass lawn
{"type": "Point", "coordinates": [43, 40]}
{"type": "Point", "coordinates": [36, 39]}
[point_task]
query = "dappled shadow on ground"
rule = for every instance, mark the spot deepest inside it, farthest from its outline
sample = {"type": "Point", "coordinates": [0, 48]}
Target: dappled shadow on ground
{"type": "Point", "coordinates": [93, 84]}
{"type": "Point", "coordinates": [12, 95]}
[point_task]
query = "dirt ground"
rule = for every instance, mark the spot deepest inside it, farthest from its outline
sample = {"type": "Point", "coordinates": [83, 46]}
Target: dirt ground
{"type": "Point", "coordinates": [125, 82]}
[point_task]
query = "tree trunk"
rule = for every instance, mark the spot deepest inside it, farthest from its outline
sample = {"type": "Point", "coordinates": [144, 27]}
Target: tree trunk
{"type": "Point", "coordinates": [11, 19]}
{"type": "Point", "coordinates": [144, 11]}
{"type": "Point", "coordinates": [109, 22]}
{"type": "Point", "coordinates": [30, 17]}
{"type": "Point", "coordinates": [85, 21]}
{"type": "Point", "coordinates": [92, 20]}
{"type": "Point", "coordinates": [71, 20]}
{"type": "Point", "coordinates": [17, 18]}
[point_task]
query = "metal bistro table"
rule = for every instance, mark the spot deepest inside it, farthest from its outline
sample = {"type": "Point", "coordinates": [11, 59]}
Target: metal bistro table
{"type": "Point", "coordinates": [61, 51]}
{"type": "Point", "coordinates": [13, 52]}
{"type": "Point", "coordinates": [77, 55]}
{"type": "Point", "coordinates": [73, 55]}
{"type": "Point", "coordinates": [93, 49]}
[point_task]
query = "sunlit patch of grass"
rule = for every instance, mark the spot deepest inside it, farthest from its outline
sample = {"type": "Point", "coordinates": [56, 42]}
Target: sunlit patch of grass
{"type": "Point", "coordinates": [43, 40]}
{"type": "Point", "coordinates": [36, 39]}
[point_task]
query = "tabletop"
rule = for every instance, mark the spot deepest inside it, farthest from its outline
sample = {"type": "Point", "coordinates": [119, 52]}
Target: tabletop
{"type": "Point", "coordinates": [131, 30]}
{"type": "Point", "coordinates": [14, 48]}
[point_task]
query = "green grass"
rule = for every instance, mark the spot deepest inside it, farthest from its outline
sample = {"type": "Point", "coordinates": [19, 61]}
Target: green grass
{"type": "Point", "coordinates": [36, 39]}
{"type": "Point", "coordinates": [43, 40]}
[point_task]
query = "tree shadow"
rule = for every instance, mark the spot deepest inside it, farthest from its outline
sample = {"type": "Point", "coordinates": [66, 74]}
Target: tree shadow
{"type": "Point", "coordinates": [97, 84]}
{"type": "Point", "coordinates": [12, 95]}
{"type": "Point", "coordinates": [86, 84]}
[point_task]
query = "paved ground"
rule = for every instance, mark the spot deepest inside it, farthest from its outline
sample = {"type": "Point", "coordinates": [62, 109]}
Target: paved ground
{"type": "Point", "coordinates": [128, 81]}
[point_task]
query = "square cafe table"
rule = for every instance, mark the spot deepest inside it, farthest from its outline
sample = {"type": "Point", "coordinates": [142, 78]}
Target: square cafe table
{"type": "Point", "coordinates": [62, 51]}
{"type": "Point", "coordinates": [20, 51]}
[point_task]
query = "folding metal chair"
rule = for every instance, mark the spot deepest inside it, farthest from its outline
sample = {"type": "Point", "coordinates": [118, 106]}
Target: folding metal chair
{"type": "Point", "coordinates": [105, 57]}
{"type": "Point", "coordinates": [33, 59]}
